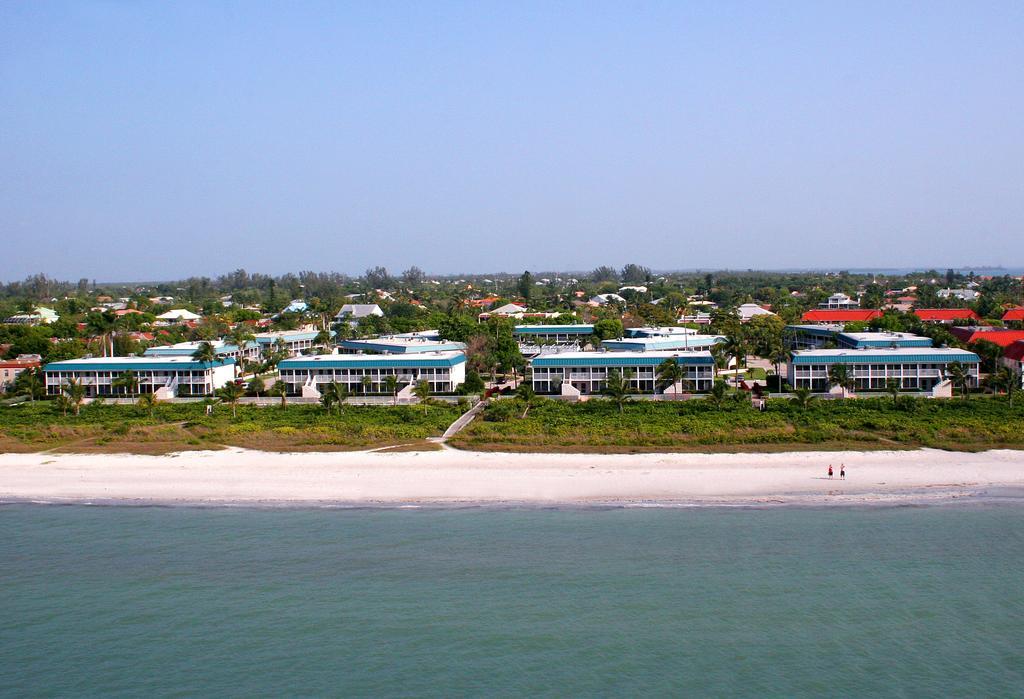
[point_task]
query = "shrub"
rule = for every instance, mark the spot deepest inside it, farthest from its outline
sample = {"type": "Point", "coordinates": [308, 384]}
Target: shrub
{"type": "Point", "coordinates": [500, 411]}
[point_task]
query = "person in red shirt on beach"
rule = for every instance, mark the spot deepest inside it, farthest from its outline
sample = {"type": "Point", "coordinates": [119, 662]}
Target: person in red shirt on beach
{"type": "Point", "coordinates": [830, 471]}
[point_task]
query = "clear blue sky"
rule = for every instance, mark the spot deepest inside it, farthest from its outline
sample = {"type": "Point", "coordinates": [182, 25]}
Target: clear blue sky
{"type": "Point", "coordinates": [158, 140]}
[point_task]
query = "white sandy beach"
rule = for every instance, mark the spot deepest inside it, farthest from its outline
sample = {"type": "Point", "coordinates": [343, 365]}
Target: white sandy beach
{"type": "Point", "coordinates": [239, 476]}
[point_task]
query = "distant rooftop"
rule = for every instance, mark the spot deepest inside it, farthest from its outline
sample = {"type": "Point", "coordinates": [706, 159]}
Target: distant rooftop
{"type": "Point", "coordinates": [286, 335]}
{"type": "Point", "coordinates": [183, 348]}
{"type": "Point", "coordinates": [659, 332]}
{"type": "Point", "coordinates": [647, 344]}
{"type": "Point", "coordinates": [582, 329]}
{"type": "Point", "coordinates": [394, 344]}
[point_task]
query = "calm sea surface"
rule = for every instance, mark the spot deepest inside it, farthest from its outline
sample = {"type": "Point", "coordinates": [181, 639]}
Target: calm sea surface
{"type": "Point", "coordinates": [786, 602]}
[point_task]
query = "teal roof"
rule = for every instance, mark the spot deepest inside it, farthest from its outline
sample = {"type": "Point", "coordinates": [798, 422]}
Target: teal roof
{"type": "Point", "coordinates": [920, 356]}
{"type": "Point", "coordinates": [134, 364]}
{"type": "Point", "coordinates": [553, 330]}
{"type": "Point", "coordinates": [618, 360]}
{"type": "Point", "coordinates": [816, 330]}
{"type": "Point", "coordinates": [666, 331]}
{"type": "Point", "coordinates": [852, 340]}
{"type": "Point", "coordinates": [351, 361]}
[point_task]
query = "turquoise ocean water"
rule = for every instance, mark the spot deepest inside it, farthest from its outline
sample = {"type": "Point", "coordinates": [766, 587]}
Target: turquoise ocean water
{"type": "Point", "coordinates": [122, 601]}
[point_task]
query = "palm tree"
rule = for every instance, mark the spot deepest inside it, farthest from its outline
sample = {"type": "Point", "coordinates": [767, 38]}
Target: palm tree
{"type": "Point", "coordinates": [328, 396]}
{"type": "Point", "coordinates": [736, 347]}
{"type": "Point", "coordinates": [990, 352]}
{"type": "Point", "coordinates": [367, 383]}
{"type": "Point", "coordinates": [892, 387]}
{"type": "Point", "coordinates": [340, 393]}
{"type": "Point", "coordinates": [617, 387]}
{"type": "Point", "coordinates": [839, 375]}
{"type": "Point", "coordinates": [777, 356]}
{"type": "Point", "coordinates": [147, 401]}
{"type": "Point", "coordinates": [1005, 380]}
{"type": "Point", "coordinates": [101, 325]}
{"type": "Point", "coordinates": [257, 386]}
{"type": "Point", "coordinates": [526, 394]}
{"type": "Point", "coordinates": [205, 353]}
{"type": "Point", "coordinates": [278, 352]}
{"type": "Point", "coordinates": [323, 339]}
{"type": "Point", "coordinates": [75, 392]}
{"type": "Point", "coordinates": [127, 381]}
{"type": "Point", "coordinates": [280, 389]}
{"type": "Point", "coordinates": [670, 373]}
{"type": "Point", "coordinates": [802, 396]}
{"type": "Point", "coordinates": [958, 374]}
{"type": "Point", "coordinates": [1012, 384]}
{"type": "Point", "coordinates": [422, 391]}
{"type": "Point", "coordinates": [230, 394]}
{"type": "Point", "coordinates": [241, 336]}
{"type": "Point", "coordinates": [333, 393]}
{"type": "Point", "coordinates": [63, 401]}
{"type": "Point", "coordinates": [391, 386]}
{"type": "Point", "coordinates": [718, 391]}
{"type": "Point", "coordinates": [31, 384]}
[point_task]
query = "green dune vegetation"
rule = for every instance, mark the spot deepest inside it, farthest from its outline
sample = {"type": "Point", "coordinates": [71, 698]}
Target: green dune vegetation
{"type": "Point", "coordinates": [524, 423]}
{"type": "Point", "coordinates": [601, 425]}
{"type": "Point", "coordinates": [165, 427]}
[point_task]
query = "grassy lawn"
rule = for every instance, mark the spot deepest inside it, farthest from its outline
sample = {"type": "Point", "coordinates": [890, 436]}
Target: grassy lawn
{"type": "Point", "coordinates": [174, 427]}
{"type": "Point", "coordinates": [876, 423]}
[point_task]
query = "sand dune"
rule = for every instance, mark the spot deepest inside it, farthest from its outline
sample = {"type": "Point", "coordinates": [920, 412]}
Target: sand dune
{"type": "Point", "coordinates": [451, 476]}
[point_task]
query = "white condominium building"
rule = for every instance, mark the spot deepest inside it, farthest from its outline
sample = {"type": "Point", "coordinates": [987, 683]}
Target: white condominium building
{"type": "Point", "coordinates": [445, 371]}
{"type": "Point", "coordinates": [553, 334]}
{"type": "Point", "coordinates": [587, 372]}
{"type": "Point", "coordinates": [166, 376]}
{"type": "Point", "coordinates": [916, 368]}
{"type": "Point", "coordinates": [294, 341]}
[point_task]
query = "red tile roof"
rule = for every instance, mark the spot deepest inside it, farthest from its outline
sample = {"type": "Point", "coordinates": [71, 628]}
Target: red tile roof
{"type": "Point", "coordinates": [944, 314]}
{"type": "Point", "coordinates": [1015, 351]}
{"type": "Point", "coordinates": [837, 316]}
{"type": "Point", "coordinates": [480, 303]}
{"type": "Point", "coordinates": [1014, 314]}
{"type": "Point", "coordinates": [1003, 338]}
{"type": "Point", "coordinates": [19, 363]}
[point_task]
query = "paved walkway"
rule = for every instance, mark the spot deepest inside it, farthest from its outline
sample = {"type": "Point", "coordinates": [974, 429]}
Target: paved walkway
{"type": "Point", "coordinates": [464, 419]}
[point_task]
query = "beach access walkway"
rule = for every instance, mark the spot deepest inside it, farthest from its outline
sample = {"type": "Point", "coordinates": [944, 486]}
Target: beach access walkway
{"type": "Point", "coordinates": [464, 419]}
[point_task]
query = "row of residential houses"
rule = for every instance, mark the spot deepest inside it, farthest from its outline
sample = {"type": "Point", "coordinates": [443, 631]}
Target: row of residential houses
{"type": "Point", "coordinates": [838, 308]}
